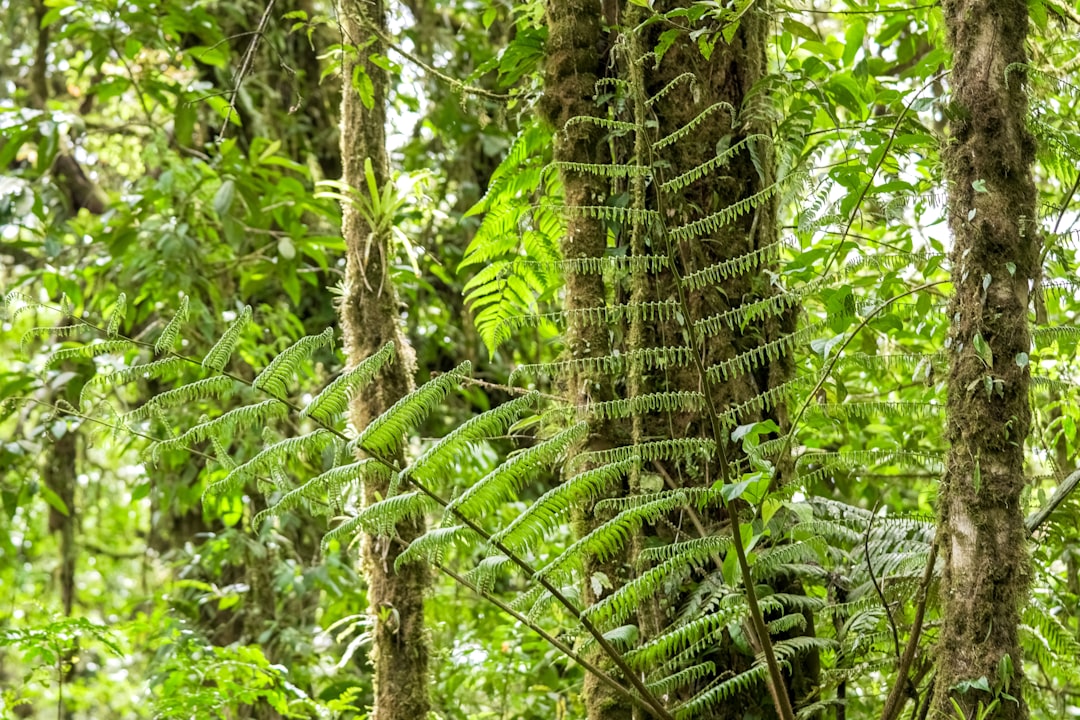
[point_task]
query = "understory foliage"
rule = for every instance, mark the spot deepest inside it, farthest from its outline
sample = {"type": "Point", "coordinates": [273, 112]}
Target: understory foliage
{"type": "Point", "coordinates": [833, 505]}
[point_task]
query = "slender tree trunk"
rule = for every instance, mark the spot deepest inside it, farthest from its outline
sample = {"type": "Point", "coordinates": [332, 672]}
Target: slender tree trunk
{"type": "Point", "coordinates": [992, 215]}
{"type": "Point", "coordinates": [370, 318]}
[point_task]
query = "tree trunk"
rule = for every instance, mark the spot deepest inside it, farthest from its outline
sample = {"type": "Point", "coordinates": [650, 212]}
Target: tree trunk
{"type": "Point", "coordinates": [992, 215]}
{"type": "Point", "coordinates": [370, 318]}
{"type": "Point", "coordinates": [575, 61]}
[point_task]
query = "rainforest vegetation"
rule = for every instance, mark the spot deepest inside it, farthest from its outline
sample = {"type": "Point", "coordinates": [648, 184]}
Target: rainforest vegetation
{"type": "Point", "coordinates": [539, 359]}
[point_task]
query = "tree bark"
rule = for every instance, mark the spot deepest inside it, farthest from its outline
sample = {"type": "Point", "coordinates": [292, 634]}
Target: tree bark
{"type": "Point", "coordinates": [575, 61]}
{"type": "Point", "coordinates": [992, 215]}
{"type": "Point", "coordinates": [370, 313]}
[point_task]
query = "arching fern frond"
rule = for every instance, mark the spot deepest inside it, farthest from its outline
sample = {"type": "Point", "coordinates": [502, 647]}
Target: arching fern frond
{"type": "Point", "coordinates": [88, 351]}
{"type": "Point", "coordinates": [281, 369]}
{"type": "Point", "coordinates": [143, 371]}
{"type": "Point", "coordinates": [329, 485]}
{"type": "Point", "coordinates": [694, 124]}
{"type": "Point", "coordinates": [543, 515]}
{"type": "Point", "coordinates": [279, 453]}
{"type": "Point", "coordinates": [432, 545]}
{"type": "Point", "coordinates": [213, 387]}
{"type": "Point", "coordinates": [739, 265]}
{"type": "Point", "coordinates": [719, 160]}
{"type": "Point", "coordinates": [219, 355]}
{"type": "Point", "coordinates": [242, 418]}
{"type": "Point", "coordinates": [617, 607]}
{"type": "Point", "coordinates": [116, 317]}
{"type": "Point", "coordinates": [168, 336]}
{"type": "Point", "coordinates": [437, 459]}
{"type": "Point", "coordinates": [652, 358]}
{"type": "Point", "coordinates": [507, 479]}
{"type": "Point", "coordinates": [385, 433]}
{"type": "Point", "coordinates": [648, 403]}
{"type": "Point", "coordinates": [329, 404]}
{"type": "Point", "coordinates": [671, 449]}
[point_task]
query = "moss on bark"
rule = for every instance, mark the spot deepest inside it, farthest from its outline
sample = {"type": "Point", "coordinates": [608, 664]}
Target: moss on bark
{"type": "Point", "coordinates": [370, 312]}
{"type": "Point", "coordinates": [995, 255]}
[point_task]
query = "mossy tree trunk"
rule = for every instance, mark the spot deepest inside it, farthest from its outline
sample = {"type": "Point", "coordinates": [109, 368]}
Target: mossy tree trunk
{"type": "Point", "coordinates": [370, 313]}
{"type": "Point", "coordinates": [575, 61]}
{"type": "Point", "coordinates": [992, 215]}
{"type": "Point", "coordinates": [722, 84]}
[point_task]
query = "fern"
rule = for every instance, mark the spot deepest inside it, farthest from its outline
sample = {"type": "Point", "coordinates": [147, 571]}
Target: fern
{"type": "Point", "coordinates": [279, 453]}
{"type": "Point", "coordinates": [229, 424]}
{"type": "Point", "coordinates": [219, 355]}
{"type": "Point", "coordinates": [168, 336]}
{"type": "Point", "coordinates": [542, 516]}
{"type": "Point", "coordinates": [506, 481]}
{"type": "Point", "coordinates": [273, 377]}
{"type": "Point", "coordinates": [213, 387]}
{"type": "Point", "coordinates": [88, 351]}
{"type": "Point", "coordinates": [385, 433]}
{"type": "Point", "coordinates": [332, 401]}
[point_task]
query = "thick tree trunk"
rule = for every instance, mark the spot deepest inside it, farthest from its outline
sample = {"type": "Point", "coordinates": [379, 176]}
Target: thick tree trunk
{"type": "Point", "coordinates": [370, 318]}
{"type": "Point", "coordinates": [575, 60]}
{"type": "Point", "coordinates": [992, 215]}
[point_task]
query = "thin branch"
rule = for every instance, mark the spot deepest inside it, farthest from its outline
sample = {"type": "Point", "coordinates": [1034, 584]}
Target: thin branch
{"type": "Point", "coordinates": [245, 66]}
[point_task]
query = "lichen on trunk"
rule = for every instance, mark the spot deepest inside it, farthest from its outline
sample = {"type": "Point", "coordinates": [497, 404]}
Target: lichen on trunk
{"type": "Point", "coordinates": [992, 215]}
{"type": "Point", "coordinates": [370, 313]}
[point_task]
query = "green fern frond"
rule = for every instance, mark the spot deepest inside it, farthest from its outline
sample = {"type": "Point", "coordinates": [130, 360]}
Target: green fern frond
{"type": "Point", "coordinates": [732, 267]}
{"type": "Point", "coordinates": [330, 485]}
{"type": "Point", "coordinates": [749, 361]}
{"type": "Point", "coordinates": [487, 571]}
{"type": "Point", "coordinates": [282, 368]}
{"type": "Point", "coordinates": [221, 453]}
{"type": "Point", "coordinates": [116, 317]}
{"type": "Point", "coordinates": [704, 702]}
{"type": "Point", "coordinates": [247, 416]}
{"type": "Point", "coordinates": [608, 538]}
{"type": "Point", "coordinates": [34, 333]}
{"type": "Point", "coordinates": [168, 336]}
{"type": "Point", "coordinates": [333, 400]}
{"type": "Point", "coordinates": [764, 402]}
{"type": "Point", "coordinates": [894, 361]}
{"type": "Point", "coordinates": [602, 122]}
{"type": "Point", "coordinates": [432, 545]}
{"type": "Point", "coordinates": [437, 459]}
{"type": "Point", "coordinates": [382, 517]}
{"type": "Point", "coordinates": [712, 223]}
{"type": "Point", "coordinates": [663, 553]}
{"type": "Point", "coordinates": [219, 355]}
{"type": "Point", "coordinates": [1046, 335]}
{"type": "Point", "coordinates": [595, 265]}
{"type": "Point", "coordinates": [662, 92]}
{"type": "Point", "coordinates": [676, 681]}
{"type": "Point", "coordinates": [751, 312]}
{"type": "Point", "coordinates": [788, 623]}
{"type": "Point", "coordinates": [826, 462]}
{"type": "Point", "coordinates": [670, 449]}
{"type": "Point", "coordinates": [789, 649]}
{"type": "Point", "coordinates": [719, 160]}
{"type": "Point", "coordinates": [893, 260]}
{"type": "Point", "coordinates": [698, 497]}
{"type": "Point", "coordinates": [609, 213]}
{"type": "Point", "coordinates": [694, 124]}
{"type": "Point", "coordinates": [653, 358]}
{"type": "Point", "coordinates": [648, 403]}
{"type": "Point", "coordinates": [347, 529]}
{"type": "Point", "coordinates": [309, 445]}
{"type": "Point", "coordinates": [506, 481]}
{"type": "Point", "coordinates": [865, 410]}
{"type": "Point", "coordinates": [88, 351]}
{"type": "Point", "coordinates": [648, 311]}
{"type": "Point", "coordinates": [681, 637]}
{"type": "Point", "coordinates": [618, 606]}
{"type": "Point", "coordinates": [145, 371]}
{"type": "Point", "coordinates": [769, 562]}
{"type": "Point", "coordinates": [385, 433]}
{"type": "Point", "coordinates": [611, 171]}
{"type": "Point", "coordinates": [214, 387]}
{"type": "Point", "coordinates": [543, 515]}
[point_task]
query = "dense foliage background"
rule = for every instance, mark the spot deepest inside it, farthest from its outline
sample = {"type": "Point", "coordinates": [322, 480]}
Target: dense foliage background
{"type": "Point", "coordinates": [163, 155]}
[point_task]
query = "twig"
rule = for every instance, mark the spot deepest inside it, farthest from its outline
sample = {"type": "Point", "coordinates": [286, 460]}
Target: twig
{"type": "Point", "coordinates": [245, 67]}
